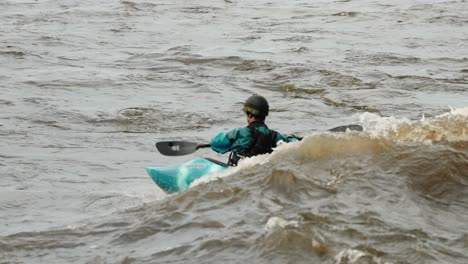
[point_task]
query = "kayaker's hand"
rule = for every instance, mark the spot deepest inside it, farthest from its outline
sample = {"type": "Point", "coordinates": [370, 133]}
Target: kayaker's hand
{"type": "Point", "coordinates": [296, 137]}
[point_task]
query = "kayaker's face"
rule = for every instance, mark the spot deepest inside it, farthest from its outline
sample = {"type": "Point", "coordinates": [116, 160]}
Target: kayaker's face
{"type": "Point", "coordinates": [250, 118]}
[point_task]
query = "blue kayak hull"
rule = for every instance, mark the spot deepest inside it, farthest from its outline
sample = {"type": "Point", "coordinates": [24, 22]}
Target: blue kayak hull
{"type": "Point", "coordinates": [179, 177]}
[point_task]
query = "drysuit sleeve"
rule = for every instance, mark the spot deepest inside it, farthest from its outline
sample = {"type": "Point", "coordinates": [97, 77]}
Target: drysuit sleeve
{"type": "Point", "coordinates": [287, 139]}
{"type": "Point", "coordinates": [222, 142]}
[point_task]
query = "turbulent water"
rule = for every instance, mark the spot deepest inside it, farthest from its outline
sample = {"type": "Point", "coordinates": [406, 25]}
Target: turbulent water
{"type": "Point", "coordinates": [87, 88]}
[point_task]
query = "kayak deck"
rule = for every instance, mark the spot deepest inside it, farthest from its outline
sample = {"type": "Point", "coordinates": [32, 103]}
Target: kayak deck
{"type": "Point", "coordinates": [179, 177]}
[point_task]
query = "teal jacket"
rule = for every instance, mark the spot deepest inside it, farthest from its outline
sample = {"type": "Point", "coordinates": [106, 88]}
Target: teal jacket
{"type": "Point", "coordinates": [239, 140]}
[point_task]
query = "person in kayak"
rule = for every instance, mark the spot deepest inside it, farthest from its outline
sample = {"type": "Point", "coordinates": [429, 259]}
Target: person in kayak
{"type": "Point", "coordinates": [254, 139]}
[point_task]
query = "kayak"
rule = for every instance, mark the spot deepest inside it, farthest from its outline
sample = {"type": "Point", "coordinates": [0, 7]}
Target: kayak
{"type": "Point", "coordinates": [179, 177]}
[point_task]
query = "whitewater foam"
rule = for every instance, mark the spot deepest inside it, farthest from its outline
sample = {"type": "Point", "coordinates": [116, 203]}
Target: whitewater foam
{"type": "Point", "coordinates": [278, 223]}
{"type": "Point", "coordinates": [448, 127]}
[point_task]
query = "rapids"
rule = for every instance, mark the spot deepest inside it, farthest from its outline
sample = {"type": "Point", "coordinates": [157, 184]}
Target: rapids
{"type": "Point", "coordinates": [87, 88]}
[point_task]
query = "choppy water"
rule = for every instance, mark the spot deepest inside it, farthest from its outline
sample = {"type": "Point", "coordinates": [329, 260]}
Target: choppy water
{"type": "Point", "coordinates": [87, 87]}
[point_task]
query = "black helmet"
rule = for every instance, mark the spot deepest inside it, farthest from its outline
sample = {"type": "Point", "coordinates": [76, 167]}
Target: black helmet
{"type": "Point", "coordinates": [256, 105]}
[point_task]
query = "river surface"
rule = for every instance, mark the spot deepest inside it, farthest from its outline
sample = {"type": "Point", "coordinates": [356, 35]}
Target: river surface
{"type": "Point", "coordinates": [87, 88]}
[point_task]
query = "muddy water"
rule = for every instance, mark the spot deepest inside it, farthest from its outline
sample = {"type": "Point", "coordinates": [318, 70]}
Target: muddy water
{"type": "Point", "coordinates": [88, 87]}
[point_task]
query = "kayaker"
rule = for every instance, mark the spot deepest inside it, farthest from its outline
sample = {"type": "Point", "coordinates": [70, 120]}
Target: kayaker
{"type": "Point", "coordinates": [254, 139]}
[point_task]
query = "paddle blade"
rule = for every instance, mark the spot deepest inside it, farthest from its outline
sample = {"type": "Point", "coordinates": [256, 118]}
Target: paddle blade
{"type": "Point", "coordinates": [346, 128]}
{"type": "Point", "coordinates": [176, 148]}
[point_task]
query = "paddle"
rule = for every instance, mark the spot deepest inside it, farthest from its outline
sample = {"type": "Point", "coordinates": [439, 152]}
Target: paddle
{"type": "Point", "coordinates": [346, 128]}
{"type": "Point", "coordinates": [339, 129]}
{"type": "Point", "coordinates": [179, 148]}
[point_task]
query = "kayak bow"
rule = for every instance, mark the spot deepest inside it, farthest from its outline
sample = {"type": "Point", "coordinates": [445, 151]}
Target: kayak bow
{"type": "Point", "coordinates": [179, 177]}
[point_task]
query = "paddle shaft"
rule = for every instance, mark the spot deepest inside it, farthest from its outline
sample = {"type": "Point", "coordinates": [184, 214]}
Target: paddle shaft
{"type": "Point", "coordinates": [203, 146]}
{"type": "Point", "coordinates": [179, 148]}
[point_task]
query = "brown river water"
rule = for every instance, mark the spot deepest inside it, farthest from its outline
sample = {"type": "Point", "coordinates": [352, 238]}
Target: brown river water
{"type": "Point", "coordinates": [87, 88]}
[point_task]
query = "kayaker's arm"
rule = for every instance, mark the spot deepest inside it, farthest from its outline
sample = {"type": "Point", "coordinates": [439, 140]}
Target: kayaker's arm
{"type": "Point", "coordinates": [221, 143]}
{"type": "Point", "coordinates": [287, 139]}
{"type": "Point", "coordinates": [294, 138]}
{"type": "Point", "coordinates": [237, 140]}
